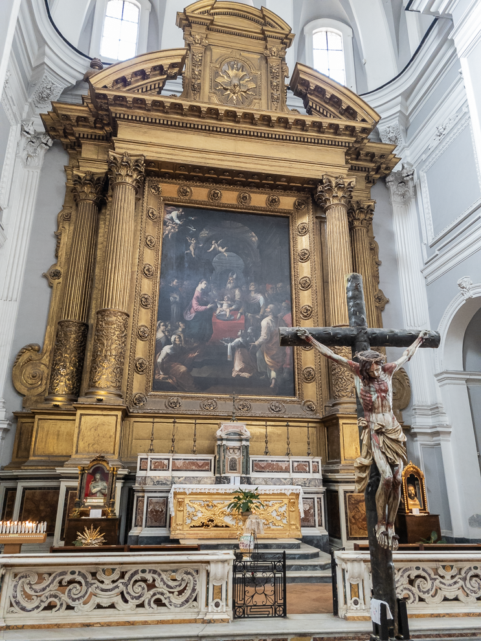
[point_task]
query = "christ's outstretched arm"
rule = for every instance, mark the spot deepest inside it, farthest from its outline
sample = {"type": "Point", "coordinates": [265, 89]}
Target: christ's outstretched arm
{"type": "Point", "coordinates": [409, 353]}
{"type": "Point", "coordinates": [325, 351]}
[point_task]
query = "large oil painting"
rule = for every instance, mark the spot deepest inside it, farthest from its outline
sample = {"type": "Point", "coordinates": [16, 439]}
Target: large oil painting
{"type": "Point", "coordinates": [224, 291]}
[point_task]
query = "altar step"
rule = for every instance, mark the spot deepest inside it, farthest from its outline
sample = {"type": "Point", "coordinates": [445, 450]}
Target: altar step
{"type": "Point", "coordinates": [305, 563]}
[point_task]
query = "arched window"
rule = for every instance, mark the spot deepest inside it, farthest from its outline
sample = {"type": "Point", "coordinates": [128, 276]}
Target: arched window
{"type": "Point", "coordinates": [329, 50]}
{"type": "Point", "coordinates": [328, 54]}
{"type": "Point", "coordinates": [120, 31]}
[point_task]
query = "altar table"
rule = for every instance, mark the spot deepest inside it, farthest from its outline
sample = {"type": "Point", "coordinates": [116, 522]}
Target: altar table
{"type": "Point", "coordinates": [200, 511]}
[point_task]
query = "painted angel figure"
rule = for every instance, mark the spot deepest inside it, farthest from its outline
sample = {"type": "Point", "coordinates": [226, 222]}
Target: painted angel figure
{"type": "Point", "coordinates": [216, 245]}
{"type": "Point", "coordinates": [382, 438]}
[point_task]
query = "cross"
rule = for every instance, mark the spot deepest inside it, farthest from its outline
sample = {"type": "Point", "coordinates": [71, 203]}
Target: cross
{"type": "Point", "coordinates": [360, 338]}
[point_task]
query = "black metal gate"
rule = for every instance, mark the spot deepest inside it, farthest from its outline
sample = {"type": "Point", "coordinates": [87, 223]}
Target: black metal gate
{"type": "Point", "coordinates": [260, 585]}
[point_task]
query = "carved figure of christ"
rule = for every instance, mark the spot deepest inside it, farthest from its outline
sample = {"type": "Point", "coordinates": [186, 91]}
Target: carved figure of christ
{"type": "Point", "coordinates": [382, 437]}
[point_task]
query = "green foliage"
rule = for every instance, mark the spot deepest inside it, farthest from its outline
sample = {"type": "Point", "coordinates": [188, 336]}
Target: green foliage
{"type": "Point", "coordinates": [433, 539]}
{"type": "Point", "coordinates": [245, 501]}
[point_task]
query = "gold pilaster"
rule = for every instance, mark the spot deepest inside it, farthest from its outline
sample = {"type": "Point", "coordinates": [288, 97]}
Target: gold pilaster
{"type": "Point", "coordinates": [126, 175]}
{"type": "Point", "coordinates": [334, 195]}
{"type": "Point", "coordinates": [71, 337]}
{"type": "Point", "coordinates": [360, 216]}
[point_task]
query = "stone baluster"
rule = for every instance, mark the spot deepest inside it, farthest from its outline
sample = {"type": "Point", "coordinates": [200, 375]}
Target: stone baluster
{"type": "Point", "coordinates": [72, 329]}
{"type": "Point", "coordinates": [110, 340]}
{"type": "Point", "coordinates": [360, 215]}
{"type": "Point", "coordinates": [334, 194]}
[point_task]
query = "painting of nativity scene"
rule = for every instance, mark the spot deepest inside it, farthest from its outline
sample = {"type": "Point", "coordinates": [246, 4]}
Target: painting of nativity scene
{"type": "Point", "coordinates": [224, 292]}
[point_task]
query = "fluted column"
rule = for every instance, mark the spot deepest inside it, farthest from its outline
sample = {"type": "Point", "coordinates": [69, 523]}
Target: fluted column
{"type": "Point", "coordinates": [334, 194]}
{"type": "Point", "coordinates": [360, 215]}
{"type": "Point", "coordinates": [126, 176]}
{"type": "Point", "coordinates": [72, 329]}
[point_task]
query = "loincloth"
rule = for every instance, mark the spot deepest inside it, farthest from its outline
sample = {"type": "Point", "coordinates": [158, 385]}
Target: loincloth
{"type": "Point", "coordinates": [391, 444]}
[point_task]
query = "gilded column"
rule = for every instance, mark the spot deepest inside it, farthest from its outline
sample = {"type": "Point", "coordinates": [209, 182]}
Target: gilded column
{"type": "Point", "coordinates": [360, 216]}
{"type": "Point", "coordinates": [334, 194]}
{"type": "Point", "coordinates": [69, 349]}
{"type": "Point", "coordinates": [126, 176]}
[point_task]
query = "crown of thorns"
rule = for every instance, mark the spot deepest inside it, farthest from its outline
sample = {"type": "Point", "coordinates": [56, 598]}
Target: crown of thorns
{"type": "Point", "coordinates": [370, 356]}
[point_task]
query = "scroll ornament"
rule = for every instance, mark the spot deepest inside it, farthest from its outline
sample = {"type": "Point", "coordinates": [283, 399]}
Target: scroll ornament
{"type": "Point", "coordinates": [30, 372]}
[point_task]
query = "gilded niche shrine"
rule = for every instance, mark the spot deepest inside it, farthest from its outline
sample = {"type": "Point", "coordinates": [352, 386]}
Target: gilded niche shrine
{"type": "Point", "coordinates": [193, 227]}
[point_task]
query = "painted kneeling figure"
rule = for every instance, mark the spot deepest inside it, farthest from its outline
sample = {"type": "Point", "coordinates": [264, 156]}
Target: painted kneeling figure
{"type": "Point", "coordinates": [382, 439]}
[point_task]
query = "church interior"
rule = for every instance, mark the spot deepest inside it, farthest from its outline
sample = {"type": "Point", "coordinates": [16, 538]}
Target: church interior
{"type": "Point", "coordinates": [211, 214]}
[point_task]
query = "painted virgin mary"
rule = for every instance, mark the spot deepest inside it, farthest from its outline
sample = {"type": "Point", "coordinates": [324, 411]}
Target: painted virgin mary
{"type": "Point", "coordinates": [198, 315]}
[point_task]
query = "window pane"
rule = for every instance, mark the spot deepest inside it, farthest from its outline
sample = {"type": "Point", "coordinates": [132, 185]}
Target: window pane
{"type": "Point", "coordinates": [334, 40]}
{"type": "Point", "coordinates": [319, 40]}
{"type": "Point", "coordinates": [128, 32]}
{"type": "Point", "coordinates": [321, 62]}
{"type": "Point", "coordinates": [109, 48]}
{"type": "Point", "coordinates": [131, 12]}
{"type": "Point", "coordinates": [338, 75]}
{"type": "Point", "coordinates": [126, 50]}
{"type": "Point", "coordinates": [111, 28]}
{"type": "Point", "coordinates": [114, 9]}
{"type": "Point", "coordinates": [336, 60]}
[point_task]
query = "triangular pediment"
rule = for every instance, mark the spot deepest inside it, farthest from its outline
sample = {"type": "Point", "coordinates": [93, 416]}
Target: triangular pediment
{"type": "Point", "coordinates": [325, 97]}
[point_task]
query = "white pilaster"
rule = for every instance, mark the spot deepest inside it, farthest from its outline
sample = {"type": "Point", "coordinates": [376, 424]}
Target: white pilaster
{"type": "Point", "coordinates": [427, 411]}
{"type": "Point", "coordinates": [28, 163]}
{"type": "Point", "coordinates": [7, 29]}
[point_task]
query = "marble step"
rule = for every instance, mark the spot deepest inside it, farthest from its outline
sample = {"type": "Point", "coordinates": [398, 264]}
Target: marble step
{"type": "Point", "coordinates": [232, 544]}
{"type": "Point", "coordinates": [321, 562]}
{"type": "Point", "coordinates": [309, 576]}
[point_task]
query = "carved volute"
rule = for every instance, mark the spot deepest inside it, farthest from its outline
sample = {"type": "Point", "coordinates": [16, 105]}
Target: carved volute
{"type": "Point", "coordinates": [236, 55]}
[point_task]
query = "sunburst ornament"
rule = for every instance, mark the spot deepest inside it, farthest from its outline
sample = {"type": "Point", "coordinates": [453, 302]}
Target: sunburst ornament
{"type": "Point", "coordinates": [91, 538]}
{"type": "Point", "coordinates": [235, 85]}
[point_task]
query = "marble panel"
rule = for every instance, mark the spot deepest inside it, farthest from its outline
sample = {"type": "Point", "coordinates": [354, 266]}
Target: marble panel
{"type": "Point", "coordinates": [320, 513]}
{"type": "Point", "coordinates": [40, 504]}
{"type": "Point", "coordinates": [156, 515]}
{"type": "Point", "coordinates": [270, 466]}
{"type": "Point", "coordinates": [356, 516]}
{"type": "Point", "coordinates": [333, 514]}
{"type": "Point", "coordinates": [309, 518]}
{"type": "Point", "coordinates": [315, 467]}
{"type": "Point", "coordinates": [139, 511]}
{"type": "Point", "coordinates": [300, 467]}
{"type": "Point", "coordinates": [191, 465]}
{"type": "Point", "coordinates": [159, 464]}
{"type": "Point", "coordinates": [144, 464]}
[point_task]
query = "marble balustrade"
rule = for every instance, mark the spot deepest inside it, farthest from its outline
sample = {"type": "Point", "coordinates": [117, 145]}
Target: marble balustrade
{"type": "Point", "coordinates": [115, 589]}
{"type": "Point", "coordinates": [446, 584]}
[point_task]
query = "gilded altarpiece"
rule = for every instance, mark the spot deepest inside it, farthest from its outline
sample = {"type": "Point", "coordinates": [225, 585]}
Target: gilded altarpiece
{"type": "Point", "coordinates": [143, 162]}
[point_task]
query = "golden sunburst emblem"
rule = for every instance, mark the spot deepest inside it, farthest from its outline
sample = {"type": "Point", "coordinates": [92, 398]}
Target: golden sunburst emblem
{"type": "Point", "coordinates": [235, 85]}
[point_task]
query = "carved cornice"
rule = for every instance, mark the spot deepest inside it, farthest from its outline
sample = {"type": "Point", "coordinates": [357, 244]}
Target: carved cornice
{"type": "Point", "coordinates": [334, 190]}
{"type": "Point", "coordinates": [361, 213]}
{"type": "Point", "coordinates": [326, 97]}
{"type": "Point", "coordinates": [88, 186]}
{"type": "Point", "coordinates": [401, 184]}
{"type": "Point", "coordinates": [127, 169]}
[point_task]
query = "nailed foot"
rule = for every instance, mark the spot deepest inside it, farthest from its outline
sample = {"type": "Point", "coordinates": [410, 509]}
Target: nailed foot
{"type": "Point", "coordinates": [393, 537]}
{"type": "Point", "coordinates": [382, 535]}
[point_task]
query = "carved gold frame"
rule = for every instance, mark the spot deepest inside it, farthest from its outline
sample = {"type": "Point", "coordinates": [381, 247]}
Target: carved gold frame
{"type": "Point", "coordinates": [306, 288]}
{"type": "Point", "coordinates": [408, 470]}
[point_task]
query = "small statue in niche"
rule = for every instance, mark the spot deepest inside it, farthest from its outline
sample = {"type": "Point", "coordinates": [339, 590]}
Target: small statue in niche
{"type": "Point", "coordinates": [98, 487]}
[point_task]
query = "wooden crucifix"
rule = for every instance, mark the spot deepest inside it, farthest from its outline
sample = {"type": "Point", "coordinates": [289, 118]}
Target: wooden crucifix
{"type": "Point", "coordinates": [383, 452]}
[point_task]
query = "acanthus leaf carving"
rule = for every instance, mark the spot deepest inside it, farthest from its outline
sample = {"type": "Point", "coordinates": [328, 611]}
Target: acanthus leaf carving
{"type": "Point", "coordinates": [109, 350]}
{"type": "Point", "coordinates": [334, 190]}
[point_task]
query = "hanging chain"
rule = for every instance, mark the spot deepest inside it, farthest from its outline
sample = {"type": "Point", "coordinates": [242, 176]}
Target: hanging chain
{"type": "Point", "coordinates": [151, 448]}
{"type": "Point", "coordinates": [288, 453]}
{"type": "Point", "coordinates": [194, 446]}
{"type": "Point", "coordinates": [172, 448]}
{"type": "Point", "coordinates": [266, 451]}
{"type": "Point", "coordinates": [308, 441]}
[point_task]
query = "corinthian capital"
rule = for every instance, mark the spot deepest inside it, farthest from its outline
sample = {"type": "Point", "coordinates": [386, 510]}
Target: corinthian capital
{"type": "Point", "coordinates": [88, 186]}
{"type": "Point", "coordinates": [33, 145]}
{"type": "Point", "coordinates": [360, 213]}
{"type": "Point", "coordinates": [124, 168]}
{"type": "Point", "coordinates": [401, 184]}
{"type": "Point", "coordinates": [334, 190]}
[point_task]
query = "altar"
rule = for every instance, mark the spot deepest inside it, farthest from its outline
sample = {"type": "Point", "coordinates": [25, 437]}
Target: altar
{"type": "Point", "coordinates": [201, 512]}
